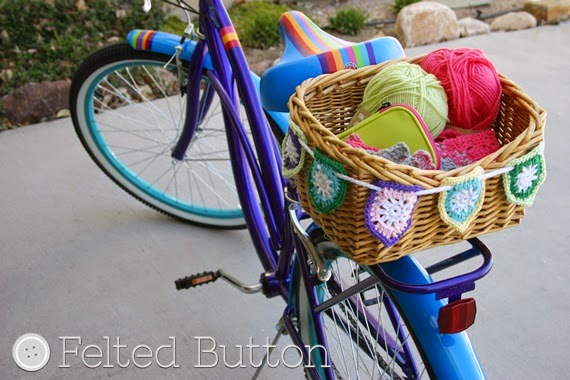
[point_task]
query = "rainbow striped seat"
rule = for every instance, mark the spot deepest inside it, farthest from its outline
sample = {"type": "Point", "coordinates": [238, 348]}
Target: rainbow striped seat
{"type": "Point", "coordinates": [310, 51]}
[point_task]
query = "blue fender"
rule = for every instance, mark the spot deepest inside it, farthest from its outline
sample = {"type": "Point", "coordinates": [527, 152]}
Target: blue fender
{"type": "Point", "coordinates": [164, 43]}
{"type": "Point", "coordinates": [451, 355]}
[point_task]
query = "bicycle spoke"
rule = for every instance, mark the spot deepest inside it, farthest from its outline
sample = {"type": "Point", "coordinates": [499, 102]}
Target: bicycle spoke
{"type": "Point", "coordinates": [212, 170]}
{"type": "Point", "coordinates": [363, 343]}
{"type": "Point", "coordinates": [129, 150]}
{"type": "Point", "coordinates": [116, 112]}
{"type": "Point", "coordinates": [144, 99]}
{"type": "Point", "coordinates": [130, 121]}
{"type": "Point", "coordinates": [164, 95]}
{"type": "Point", "coordinates": [135, 105]}
{"type": "Point", "coordinates": [130, 133]}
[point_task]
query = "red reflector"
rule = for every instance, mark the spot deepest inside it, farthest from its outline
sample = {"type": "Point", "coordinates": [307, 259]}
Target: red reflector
{"type": "Point", "coordinates": [457, 316]}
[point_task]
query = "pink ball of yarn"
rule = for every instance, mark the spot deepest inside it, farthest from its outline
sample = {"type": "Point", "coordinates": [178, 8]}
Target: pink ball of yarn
{"type": "Point", "coordinates": [471, 83]}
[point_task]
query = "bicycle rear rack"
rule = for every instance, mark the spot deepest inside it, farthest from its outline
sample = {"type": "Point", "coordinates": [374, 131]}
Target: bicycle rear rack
{"type": "Point", "coordinates": [453, 287]}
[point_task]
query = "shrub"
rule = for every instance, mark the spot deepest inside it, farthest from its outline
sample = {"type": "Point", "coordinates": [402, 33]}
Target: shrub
{"type": "Point", "coordinates": [399, 4]}
{"type": "Point", "coordinates": [46, 41]}
{"type": "Point", "coordinates": [348, 21]}
{"type": "Point", "coordinates": [256, 23]}
{"type": "Point", "coordinates": [174, 25]}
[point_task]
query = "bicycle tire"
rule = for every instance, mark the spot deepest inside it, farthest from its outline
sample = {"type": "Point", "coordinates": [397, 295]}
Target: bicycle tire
{"type": "Point", "coordinates": [354, 347]}
{"type": "Point", "coordinates": [108, 94]}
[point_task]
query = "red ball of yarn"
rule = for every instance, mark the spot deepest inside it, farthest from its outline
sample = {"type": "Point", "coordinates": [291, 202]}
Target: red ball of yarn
{"type": "Point", "coordinates": [471, 83]}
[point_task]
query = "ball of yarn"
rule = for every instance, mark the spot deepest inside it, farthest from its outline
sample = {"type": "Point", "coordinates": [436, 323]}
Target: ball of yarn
{"type": "Point", "coordinates": [471, 83]}
{"type": "Point", "coordinates": [406, 83]}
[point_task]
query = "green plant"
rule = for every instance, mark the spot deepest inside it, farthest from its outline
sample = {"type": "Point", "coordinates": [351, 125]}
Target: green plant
{"type": "Point", "coordinates": [174, 25]}
{"type": "Point", "coordinates": [256, 23]}
{"type": "Point", "coordinates": [399, 4]}
{"type": "Point", "coordinates": [43, 40]}
{"type": "Point", "coordinates": [348, 21]}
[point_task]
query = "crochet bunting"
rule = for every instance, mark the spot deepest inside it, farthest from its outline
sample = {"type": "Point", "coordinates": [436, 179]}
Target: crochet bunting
{"type": "Point", "coordinates": [389, 211]}
{"type": "Point", "coordinates": [326, 190]}
{"type": "Point", "coordinates": [293, 156]}
{"type": "Point", "coordinates": [529, 172]}
{"type": "Point", "coordinates": [459, 206]}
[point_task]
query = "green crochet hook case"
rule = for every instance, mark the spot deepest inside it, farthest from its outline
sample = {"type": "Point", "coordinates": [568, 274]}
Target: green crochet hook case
{"type": "Point", "coordinates": [394, 124]}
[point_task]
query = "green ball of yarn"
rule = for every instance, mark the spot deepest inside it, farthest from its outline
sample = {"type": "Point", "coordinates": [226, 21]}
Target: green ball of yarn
{"type": "Point", "coordinates": [406, 83]}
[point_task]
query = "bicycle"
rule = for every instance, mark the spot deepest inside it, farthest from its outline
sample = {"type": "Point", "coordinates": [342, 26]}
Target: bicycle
{"type": "Point", "coordinates": [379, 321]}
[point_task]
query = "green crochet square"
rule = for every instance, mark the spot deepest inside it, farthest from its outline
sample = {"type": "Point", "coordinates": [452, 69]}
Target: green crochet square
{"type": "Point", "coordinates": [529, 172]}
{"type": "Point", "coordinates": [326, 189]}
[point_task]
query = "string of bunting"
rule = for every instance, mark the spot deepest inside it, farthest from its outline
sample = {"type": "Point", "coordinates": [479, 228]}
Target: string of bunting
{"type": "Point", "coordinates": [390, 206]}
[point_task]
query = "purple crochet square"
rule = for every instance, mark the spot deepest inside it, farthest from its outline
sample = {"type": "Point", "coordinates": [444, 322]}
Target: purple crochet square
{"type": "Point", "coordinates": [389, 211]}
{"type": "Point", "coordinates": [292, 153]}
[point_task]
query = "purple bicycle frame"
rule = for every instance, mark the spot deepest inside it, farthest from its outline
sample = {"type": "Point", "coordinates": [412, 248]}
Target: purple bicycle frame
{"type": "Point", "coordinates": [253, 176]}
{"type": "Point", "coordinates": [264, 213]}
{"type": "Point", "coordinates": [258, 174]}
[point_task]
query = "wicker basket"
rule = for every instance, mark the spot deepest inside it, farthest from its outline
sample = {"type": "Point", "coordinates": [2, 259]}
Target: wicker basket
{"type": "Point", "coordinates": [323, 107]}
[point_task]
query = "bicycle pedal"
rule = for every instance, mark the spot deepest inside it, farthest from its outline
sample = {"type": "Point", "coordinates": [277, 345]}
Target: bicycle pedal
{"type": "Point", "coordinates": [195, 280]}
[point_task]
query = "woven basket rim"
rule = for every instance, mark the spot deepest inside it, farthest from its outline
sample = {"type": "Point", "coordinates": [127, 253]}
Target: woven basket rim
{"type": "Point", "coordinates": [359, 159]}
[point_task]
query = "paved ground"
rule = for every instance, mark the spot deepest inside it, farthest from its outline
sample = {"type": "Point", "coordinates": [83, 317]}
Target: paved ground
{"type": "Point", "coordinates": [81, 258]}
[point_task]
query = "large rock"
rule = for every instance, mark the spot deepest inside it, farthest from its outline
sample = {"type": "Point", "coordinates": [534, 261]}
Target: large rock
{"type": "Point", "coordinates": [426, 22]}
{"type": "Point", "coordinates": [36, 101]}
{"type": "Point", "coordinates": [81, 6]}
{"type": "Point", "coordinates": [548, 11]}
{"type": "Point", "coordinates": [172, 10]}
{"type": "Point", "coordinates": [471, 27]}
{"type": "Point", "coordinates": [514, 21]}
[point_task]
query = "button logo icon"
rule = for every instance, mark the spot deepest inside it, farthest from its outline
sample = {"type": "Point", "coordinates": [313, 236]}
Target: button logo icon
{"type": "Point", "coordinates": [31, 352]}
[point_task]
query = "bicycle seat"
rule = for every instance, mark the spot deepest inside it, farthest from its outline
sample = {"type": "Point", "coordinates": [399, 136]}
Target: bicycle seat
{"type": "Point", "coordinates": [310, 52]}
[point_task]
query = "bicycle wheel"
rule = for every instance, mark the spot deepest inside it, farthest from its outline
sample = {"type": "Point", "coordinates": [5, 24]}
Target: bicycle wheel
{"type": "Point", "coordinates": [366, 337]}
{"type": "Point", "coordinates": [128, 110]}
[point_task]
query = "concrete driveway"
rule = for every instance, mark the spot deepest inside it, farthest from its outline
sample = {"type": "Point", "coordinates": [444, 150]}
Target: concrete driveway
{"type": "Point", "coordinates": [80, 258]}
